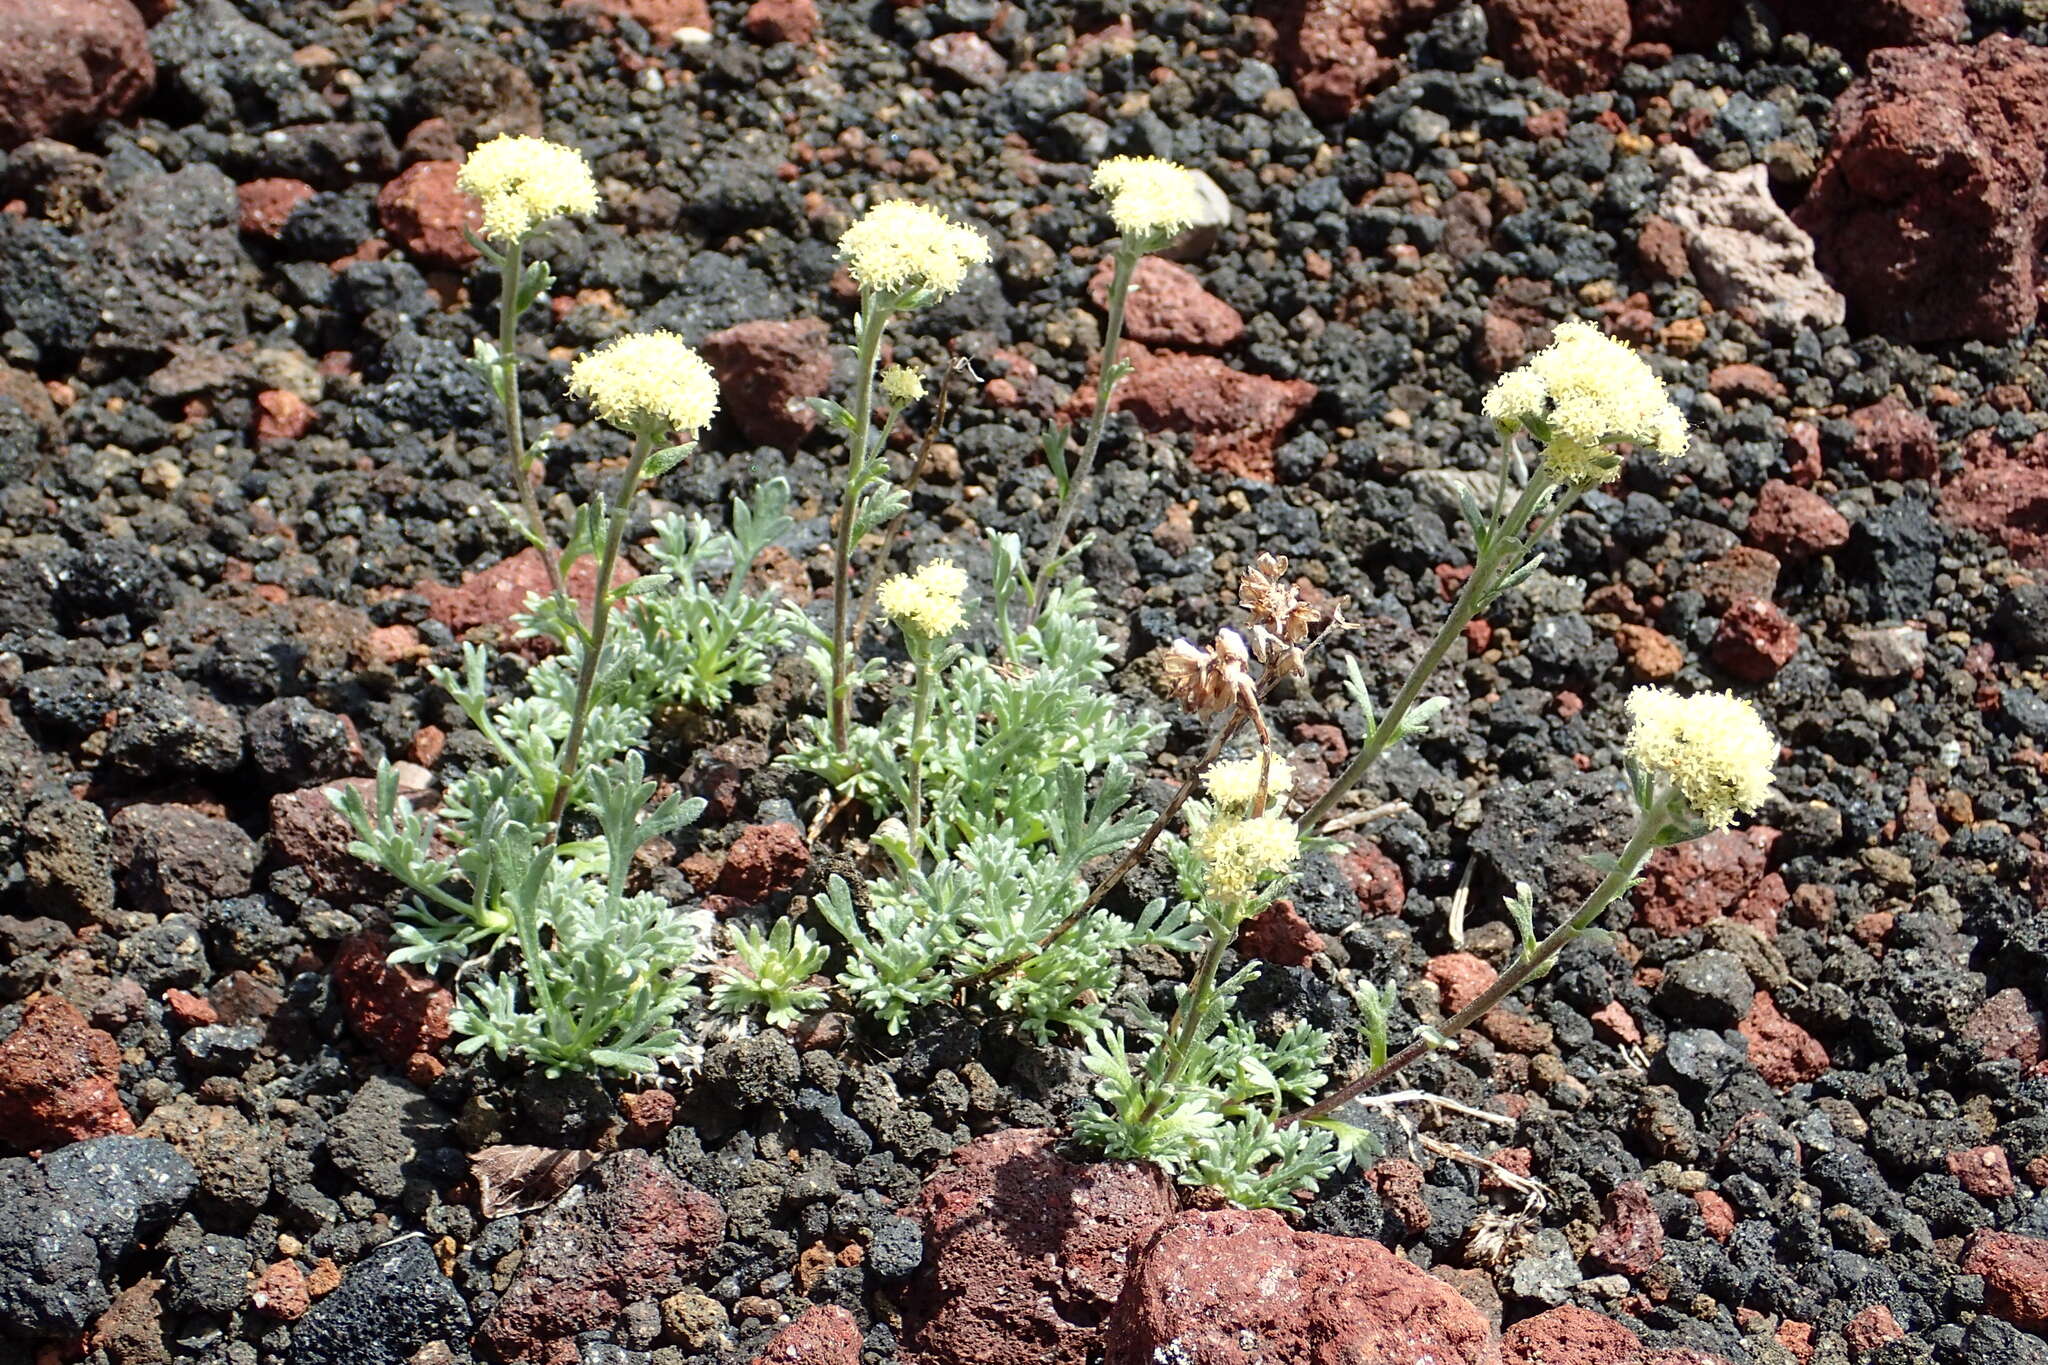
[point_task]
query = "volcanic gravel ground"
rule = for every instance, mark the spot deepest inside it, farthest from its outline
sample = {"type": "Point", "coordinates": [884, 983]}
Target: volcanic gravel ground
{"type": "Point", "coordinates": [244, 472]}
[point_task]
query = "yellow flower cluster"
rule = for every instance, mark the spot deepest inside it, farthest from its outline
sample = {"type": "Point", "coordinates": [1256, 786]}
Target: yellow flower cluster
{"type": "Point", "coordinates": [927, 603]}
{"type": "Point", "coordinates": [899, 245]}
{"type": "Point", "coordinates": [1240, 855]}
{"type": "Point", "coordinates": [902, 385]}
{"type": "Point", "coordinates": [1148, 197]}
{"type": "Point", "coordinates": [648, 382]}
{"type": "Point", "coordinates": [524, 181]}
{"type": "Point", "coordinates": [1713, 747]}
{"type": "Point", "coordinates": [1233, 784]}
{"type": "Point", "coordinates": [1582, 393]}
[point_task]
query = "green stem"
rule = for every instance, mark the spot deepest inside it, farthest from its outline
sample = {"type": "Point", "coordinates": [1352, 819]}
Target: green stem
{"type": "Point", "coordinates": [600, 619]}
{"type": "Point", "coordinates": [1648, 837]}
{"type": "Point", "coordinates": [874, 320]}
{"type": "Point", "coordinates": [512, 267]}
{"type": "Point", "coordinates": [920, 716]}
{"type": "Point", "coordinates": [1127, 259]}
{"type": "Point", "coordinates": [1492, 565]}
{"type": "Point", "coordinates": [1180, 1034]}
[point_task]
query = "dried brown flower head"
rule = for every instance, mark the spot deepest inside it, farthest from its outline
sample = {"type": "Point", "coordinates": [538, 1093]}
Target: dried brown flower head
{"type": "Point", "coordinates": [1281, 620]}
{"type": "Point", "coordinates": [1210, 681]}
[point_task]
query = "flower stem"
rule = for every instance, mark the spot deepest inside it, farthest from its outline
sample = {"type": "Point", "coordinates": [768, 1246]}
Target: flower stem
{"type": "Point", "coordinates": [1648, 836]}
{"type": "Point", "coordinates": [874, 319]}
{"type": "Point", "coordinates": [600, 619]}
{"type": "Point", "coordinates": [1180, 1033]}
{"type": "Point", "coordinates": [1492, 565]}
{"type": "Point", "coordinates": [512, 267]}
{"type": "Point", "coordinates": [1106, 381]}
{"type": "Point", "coordinates": [920, 716]}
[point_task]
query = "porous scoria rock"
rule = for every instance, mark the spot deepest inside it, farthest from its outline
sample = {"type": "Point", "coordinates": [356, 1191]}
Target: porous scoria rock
{"type": "Point", "coordinates": [307, 831]}
{"type": "Point", "coordinates": [781, 21]}
{"type": "Point", "coordinates": [1279, 934]}
{"type": "Point", "coordinates": [424, 212]}
{"type": "Point", "coordinates": [763, 861]}
{"type": "Point", "coordinates": [66, 64]}
{"type": "Point", "coordinates": [1746, 251]}
{"type": "Point", "coordinates": [1861, 28]}
{"type": "Point", "coordinates": [765, 369]}
{"type": "Point", "coordinates": [637, 1232]}
{"type": "Point", "coordinates": [1568, 1335]}
{"type": "Point", "coordinates": [57, 1079]}
{"type": "Point", "coordinates": [396, 1010]}
{"type": "Point", "coordinates": [1686, 25]}
{"type": "Point", "coordinates": [1895, 440]}
{"type": "Point", "coordinates": [2015, 1271]}
{"type": "Point", "coordinates": [2002, 493]}
{"type": "Point", "coordinates": [1167, 306]}
{"type": "Point", "coordinates": [1573, 46]}
{"type": "Point", "coordinates": [1928, 210]}
{"type": "Point", "coordinates": [823, 1335]}
{"type": "Point", "coordinates": [1795, 523]}
{"type": "Point", "coordinates": [494, 596]}
{"type": "Point", "coordinates": [1028, 1251]}
{"type": "Point", "coordinates": [2006, 1026]}
{"type": "Point", "coordinates": [1725, 873]}
{"type": "Point", "coordinates": [1338, 52]}
{"type": "Point", "coordinates": [661, 18]}
{"type": "Point", "coordinates": [1207, 1280]}
{"type": "Point", "coordinates": [1631, 1237]}
{"type": "Point", "coordinates": [1235, 418]}
{"type": "Point", "coordinates": [1755, 641]}
{"type": "Point", "coordinates": [1782, 1052]}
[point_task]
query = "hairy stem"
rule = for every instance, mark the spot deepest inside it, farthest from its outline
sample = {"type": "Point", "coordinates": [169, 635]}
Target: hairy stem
{"type": "Point", "coordinates": [1492, 564]}
{"type": "Point", "coordinates": [920, 717]}
{"type": "Point", "coordinates": [512, 267]}
{"type": "Point", "coordinates": [600, 619]}
{"type": "Point", "coordinates": [874, 319]}
{"type": "Point", "coordinates": [1105, 385]}
{"type": "Point", "coordinates": [1180, 1033]}
{"type": "Point", "coordinates": [1532, 962]}
{"type": "Point", "coordinates": [918, 469]}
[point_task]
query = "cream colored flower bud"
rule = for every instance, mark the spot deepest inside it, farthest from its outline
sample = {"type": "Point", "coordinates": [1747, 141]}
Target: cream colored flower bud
{"type": "Point", "coordinates": [647, 382]}
{"type": "Point", "coordinates": [524, 181]}
{"type": "Point", "coordinates": [1241, 855]}
{"type": "Point", "coordinates": [1712, 747]}
{"type": "Point", "coordinates": [902, 385]}
{"type": "Point", "coordinates": [1580, 395]}
{"type": "Point", "coordinates": [899, 245]}
{"type": "Point", "coordinates": [1233, 784]}
{"type": "Point", "coordinates": [927, 603]}
{"type": "Point", "coordinates": [1149, 199]}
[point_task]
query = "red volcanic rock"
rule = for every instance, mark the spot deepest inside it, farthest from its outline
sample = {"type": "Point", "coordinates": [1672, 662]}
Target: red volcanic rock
{"type": "Point", "coordinates": [1743, 573]}
{"type": "Point", "coordinates": [1867, 25]}
{"type": "Point", "coordinates": [1569, 1335]}
{"type": "Point", "coordinates": [1375, 879]}
{"type": "Point", "coordinates": [1573, 46]}
{"type": "Point", "coordinates": [1337, 52]}
{"type": "Point", "coordinates": [1660, 250]}
{"type": "Point", "coordinates": [1744, 381]}
{"type": "Point", "coordinates": [1871, 1329]}
{"type": "Point", "coordinates": [2002, 493]}
{"type": "Point", "coordinates": [1895, 440]}
{"type": "Point", "coordinates": [1460, 979]}
{"type": "Point", "coordinates": [266, 204]}
{"type": "Point", "coordinates": [57, 1079]}
{"type": "Point", "coordinates": [1208, 1280]}
{"type": "Point", "coordinates": [1619, 1026]}
{"type": "Point", "coordinates": [781, 21]}
{"type": "Point", "coordinates": [824, 1335]}
{"type": "Point", "coordinates": [661, 18]}
{"type": "Point", "coordinates": [494, 596]}
{"type": "Point", "coordinates": [1794, 523]}
{"type": "Point", "coordinates": [1686, 25]}
{"type": "Point", "coordinates": [1755, 640]}
{"type": "Point", "coordinates": [1928, 210]}
{"type": "Point", "coordinates": [2015, 1271]}
{"type": "Point", "coordinates": [966, 57]}
{"type": "Point", "coordinates": [1651, 655]}
{"type": "Point", "coordinates": [394, 1009]}
{"type": "Point", "coordinates": [1726, 873]}
{"type": "Point", "coordinates": [425, 213]}
{"type": "Point", "coordinates": [1783, 1053]}
{"type": "Point", "coordinates": [640, 1233]}
{"type": "Point", "coordinates": [1236, 418]}
{"type": "Point", "coordinates": [1983, 1171]}
{"type": "Point", "coordinates": [763, 861]}
{"type": "Point", "coordinates": [1631, 1238]}
{"type": "Point", "coordinates": [280, 1292]}
{"type": "Point", "coordinates": [1027, 1252]}
{"type": "Point", "coordinates": [1168, 306]}
{"type": "Point", "coordinates": [764, 368]}
{"type": "Point", "coordinates": [2006, 1026]}
{"type": "Point", "coordinates": [66, 64]}
{"type": "Point", "coordinates": [1717, 1215]}
{"type": "Point", "coordinates": [308, 832]}
{"type": "Point", "coordinates": [281, 415]}
{"type": "Point", "coordinates": [1278, 934]}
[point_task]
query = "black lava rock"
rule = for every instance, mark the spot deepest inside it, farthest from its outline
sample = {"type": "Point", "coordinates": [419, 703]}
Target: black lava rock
{"type": "Point", "coordinates": [391, 1303]}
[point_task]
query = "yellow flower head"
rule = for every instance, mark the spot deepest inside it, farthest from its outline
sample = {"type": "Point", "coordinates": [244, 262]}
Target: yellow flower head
{"type": "Point", "coordinates": [1148, 197]}
{"type": "Point", "coordinates": [1240, 855]}
{"type": "Point", "coordinates": [927, 603]}
{"type": "Point", "coordinates": [1234, 783]}
{"type": "Point", "coordinates": [647, 381]}
{"type": "Point", "coordinates": [524, 181]}
{"type": "Point", "coordinates": [899, 245]}
{"type": "Point", "coordinates": [902, 385]}
{"type": "Point", "coordinates": [1713, 747]}
{"type": "Point", "coordinates": [1580, 395]}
